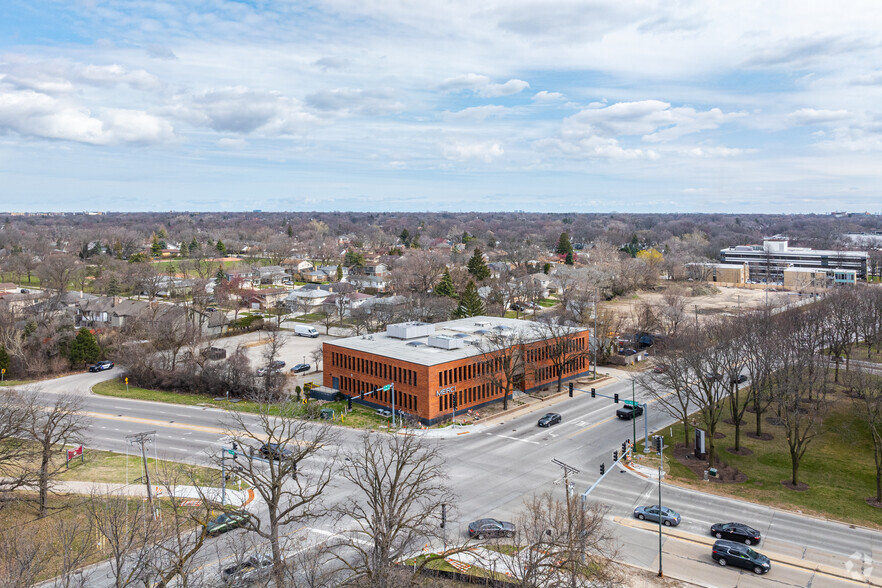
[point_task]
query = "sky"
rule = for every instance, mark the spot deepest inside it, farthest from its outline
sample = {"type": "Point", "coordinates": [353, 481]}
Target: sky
{"type": "Point", "coordinates": [393, 105]}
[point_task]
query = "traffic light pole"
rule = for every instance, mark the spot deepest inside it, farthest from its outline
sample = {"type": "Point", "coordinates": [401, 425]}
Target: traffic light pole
{"type": "Point", "coordinates": [660, 445]}
{"type": "Point", "coordinates": [604, 473]}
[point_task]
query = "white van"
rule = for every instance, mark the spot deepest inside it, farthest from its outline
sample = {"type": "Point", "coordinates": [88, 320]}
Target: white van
{"type": "Point", "coordinates": [306, 331]}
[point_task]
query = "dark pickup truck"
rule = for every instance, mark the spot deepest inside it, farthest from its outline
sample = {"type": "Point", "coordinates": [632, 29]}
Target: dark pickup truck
{"type": "Point", "coordinates": [629, 412]}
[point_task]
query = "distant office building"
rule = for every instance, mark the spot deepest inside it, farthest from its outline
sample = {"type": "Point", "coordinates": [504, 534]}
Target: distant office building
{"type": "Point", "coordinates": [727, 273]}
{"type": "Point", "coordinates": [770, 259]}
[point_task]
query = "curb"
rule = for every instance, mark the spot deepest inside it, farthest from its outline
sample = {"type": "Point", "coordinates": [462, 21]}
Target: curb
{"type": "Point", "coordinates": [787, 560]}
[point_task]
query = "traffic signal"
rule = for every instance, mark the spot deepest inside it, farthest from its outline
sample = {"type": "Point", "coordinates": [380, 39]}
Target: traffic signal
{"type": "Point", "coordinates": [624, 447]}
{"type": "Point", "coordinates": [602, 469]}
{"type": "Point", "coordinates": [455, 400]}
{"type": "Point", "coordinates": [658, 443]}
{"type": "Point", "coordinates": [616, 398]}
{"type": "Point", "coordinates": [593, 393]}
{"type": "Point", "coordinates": [615, 455]}
{"type": "Point", "coordinates": [571, 389]}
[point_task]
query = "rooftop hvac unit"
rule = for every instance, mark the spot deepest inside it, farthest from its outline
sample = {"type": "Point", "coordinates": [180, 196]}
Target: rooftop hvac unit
{"type": "Point", "coordinates": [482, 324]}
{"type": "Point", "coordinates": [410, 330]}
{"type": "Point", "coordinates": [445, 342]}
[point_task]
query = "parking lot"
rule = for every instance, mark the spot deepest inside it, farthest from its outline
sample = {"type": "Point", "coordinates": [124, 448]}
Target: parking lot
{"type": "Point", "coordinates": [294, 350]}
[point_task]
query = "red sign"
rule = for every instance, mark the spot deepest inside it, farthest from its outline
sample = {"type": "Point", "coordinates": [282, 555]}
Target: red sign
{"type": "Point", "coordinates": [72, 453]}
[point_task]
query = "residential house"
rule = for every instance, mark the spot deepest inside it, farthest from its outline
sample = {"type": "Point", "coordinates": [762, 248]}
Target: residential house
{"type": "Point", "coordinates": [249, 277]}
{"type": "Point", "coordinates": [326, 273]}
{"type": "Point", "coordinates": [544, 283]}
{"type": "Point", "coordinates": [8, 288]}
{"type": "Point", "coordinates": [371, 283]}
{"type": "Point", "coordinates": [348, 301]}
{"type": "Point", "coordinates": [497, 268]}
{"type": "Point", "coordinates": [301, 299]}
{"type": "Point", "coordinates": [271, 274]}
{"type": "Point", "coordinates": [116, 313]}
{"type": "Point", "coordinates": [297, 267]}
{"type": "Point", "coordinates": [265, 298]}
{"type": "Point", "coordinates": [375, 269]}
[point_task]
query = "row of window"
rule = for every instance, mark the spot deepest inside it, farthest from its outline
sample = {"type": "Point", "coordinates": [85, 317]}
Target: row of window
{"type": "Point", "coordinates": [355, 387]}
{"type": "Point", "coordinates": [377, 369]}
{"type": "Point", "coordinates": [468, 396]}
{"type": "Point", "coordinates": [550, 372]}
{"type": "Point", "coordinates": [555, 349]}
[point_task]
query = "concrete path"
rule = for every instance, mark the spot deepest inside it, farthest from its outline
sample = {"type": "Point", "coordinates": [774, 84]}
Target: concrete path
{"type": "Point", "coordinates": [234, 497]}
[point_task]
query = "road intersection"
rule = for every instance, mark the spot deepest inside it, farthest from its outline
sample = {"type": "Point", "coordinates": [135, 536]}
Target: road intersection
{"type": "Point", "coordinates": [494, 467]}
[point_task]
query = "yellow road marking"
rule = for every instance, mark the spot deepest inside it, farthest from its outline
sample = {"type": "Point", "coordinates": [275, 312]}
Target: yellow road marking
{"type": "Point", "coordinates": [156, 423]}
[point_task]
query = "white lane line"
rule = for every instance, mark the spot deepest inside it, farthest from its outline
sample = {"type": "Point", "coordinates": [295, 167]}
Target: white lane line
{"type": "Point", "coordinates": [521, 440]}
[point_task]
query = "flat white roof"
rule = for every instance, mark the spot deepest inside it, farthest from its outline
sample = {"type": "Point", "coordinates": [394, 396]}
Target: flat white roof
{"type": "Point", "coordinates": [423, 354]}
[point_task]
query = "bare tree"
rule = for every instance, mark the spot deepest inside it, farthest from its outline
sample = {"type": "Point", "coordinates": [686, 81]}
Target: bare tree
{"type": "Point", "coordinates": [316, 355]}
{"type": "Point", "coordinates": [672, 311]}
{"type": "Point", "coordinates": [401, 484]}
{"type": "Point", "coordinates": [563, 543]}
{"type": "Point", "coordinates": [565, 347]}
{"type": "Point", "coordinates": [866, 390]}
{"type": "Point", "coordinates": [15, 416]}
{"type": "Point", "coordinates": [291, 492]}
{"type": "Point", "coordinates": [670, 381]}
{"type": "Point", "coordinates": [841, 323]}
{"type": "Point", "coordinates": [760, 347]}
{"type": "Point", "coordinates": [53, 426]}
{"type": "Point", "coordinates": [75, 549]}
{"type": "Point", "coordinates": [503, 364]}
{"type": "Point", "coordinates": [25, 559]}
{"type": "Point", "coordinates": [127, 531]}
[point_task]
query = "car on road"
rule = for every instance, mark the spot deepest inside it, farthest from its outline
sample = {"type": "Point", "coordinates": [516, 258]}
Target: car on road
{"type": "Point", "coordinates": [669, 517]}
{"type": "Point", "coordinates": [101, 366]}
{"type": "Point", "coordinates": [249, 571]}
{"type": "Point", "coordinates": [265, 371]}
{"type": "Point", "coordinates": [483, 528]}
{"type": "Point", "coordinates": [225, 522]}
{"type": "Point", "coordinates": [629, 412]}
{"type": "Point", "coordinates": [275, 451]}
{"type": "Point", "coordinates": [740, 379]}
{"type": "Point", "coordinates": [729, 553]}
{"type": "Point", "coordinates": [659, 369]}
{"type": "Point", "coordinates": [552, 418]}
{"type": "Point", "coordinates": [736, 532]}
{"type": "Point", "coordinates": [300, 368]}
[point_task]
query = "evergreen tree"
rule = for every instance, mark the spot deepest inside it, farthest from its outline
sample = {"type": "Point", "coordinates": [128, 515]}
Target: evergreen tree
{"type": "Point", "coordinates": [84, 349]}
{"type": "Point", "coordinates": [221, 248]}
{"type": "Point", "coordinates": [156, 248]}
{"type": "Point", "coordinates": [492, 242]}
{"type": "Point", "coordinates": [113, 288]}
{"type": "Point", "coordinates": [546, 268]}
{"type": "Point", "coordinates": [445, 286]}
{"type": "Point", "coordinates": [354, 259]}
{"type": "Point", "coordinates": [290, 230]}
{"type": "Point", "coordinates": [477, 266]}
{"type": "Point", "coordinates": [193, 247]}
{"type": "Point", "coordinates": [4, 359]}
{"type": "Point", "coordinates": [220, 276]}
{"type": "Point", "coordinates": [405, 237]}
{"type": "Point", "coordinates": [569, 259]}
{"type": "Point", "coordinates": [339, 273]}
{"type": "Point", "coordinates": [563, 244]}
{"type": "Point", "coordinates": [470, 303]}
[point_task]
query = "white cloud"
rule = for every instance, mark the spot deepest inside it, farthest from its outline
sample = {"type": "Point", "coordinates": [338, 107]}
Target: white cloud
{"type": "Point", "coordinates": [228, 143]}
{"type": "Point", "coordinates": [61, 76]}
{"type": "Point", "coordinates": [811, 116]}
{"type": "Point", "coordinates": [242, 110]}
{"type": "Point", "coordinates": [477, 113]}
{"type": "Point", "coordinates": [349, 100]}
{"type": "Point", "coordinates": [546, 96]}
{"type": "Point", "coordinates": [32, 114]}
{"type": "Point", "coordinates": [486, 151]}
{"type": "Point", "coordinates": [482, 85]}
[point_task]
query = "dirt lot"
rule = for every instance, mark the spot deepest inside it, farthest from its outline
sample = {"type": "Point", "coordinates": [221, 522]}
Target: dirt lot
{"type": "Point", "coordinates": [727, 300]}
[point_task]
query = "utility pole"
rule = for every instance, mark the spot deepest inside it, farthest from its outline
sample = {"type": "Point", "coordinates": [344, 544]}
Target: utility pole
{"type": "Point", "coordinates": [634, 417]}
{"type": "Point", "coordinates": [660, 444]}
{"type": "Point", "coordinates": [143, 439]}
{"type": "Point", "coordinates": [596, 294]}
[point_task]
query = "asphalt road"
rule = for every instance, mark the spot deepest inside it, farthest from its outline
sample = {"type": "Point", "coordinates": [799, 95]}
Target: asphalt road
{"type": "Point", "coordinates": [494, 468]}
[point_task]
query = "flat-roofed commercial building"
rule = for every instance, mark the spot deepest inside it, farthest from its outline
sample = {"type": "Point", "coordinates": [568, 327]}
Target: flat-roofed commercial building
{"type": "Point", "coordinates": [775, 255]}
{"type": "Point", "coordinates": [729, 273]}
{"type": "Point", "coordinates": [428, 364]}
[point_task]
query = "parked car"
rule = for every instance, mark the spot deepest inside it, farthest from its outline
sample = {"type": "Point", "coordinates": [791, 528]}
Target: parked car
{"type": "Point", "coordinates": [740, 379]}
{"type": "Point", "coordinates": [736, 532]}
{"type": "Point", "coordinates": [101, 366]}
{"type": "Point", "coordinates": [629, 412]}
{"type": "Point", "coordinates": [491, 528]}
{"type": "Point", "coordinates": [267, 370]}
{"type": "Point", "coordinates": [552, 418]}
{"type": "Point", "coordinates": [275, 451]}
{"type": "Point", "coordinates": [659, 369]}
{"type": "Point", "coordinates": [225, 522]}
{"type": "Point", "coordinates": [627, 351]}
{"type": "Point", "coordinates": [518, 307]}
{"type": "Point", "coordinates": [254, 568]}
{"type": "Point", "coordinates": [277, 364]}
{"type": "Point", "coordinates": [300, 368]}
{"type": "Point", "coordinates": [728, 553]}
{"type": "Point", "coordinates": [384, 412]}
{"type": "Point", "coordinates": [670, 518]}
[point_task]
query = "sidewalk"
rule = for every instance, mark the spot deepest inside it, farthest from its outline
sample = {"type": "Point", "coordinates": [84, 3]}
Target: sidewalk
{"type": "Point", "coordinates": [234, 497]}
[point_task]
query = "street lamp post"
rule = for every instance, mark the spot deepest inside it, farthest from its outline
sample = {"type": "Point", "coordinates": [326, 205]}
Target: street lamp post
{"type": "Point", "coordinates": [595, 333]}
{"type": "Point", "coordinates": [660, 443]}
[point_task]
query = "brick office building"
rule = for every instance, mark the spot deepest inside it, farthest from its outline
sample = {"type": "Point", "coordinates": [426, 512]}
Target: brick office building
{"type": "Point", "coordinates": [428, 363]}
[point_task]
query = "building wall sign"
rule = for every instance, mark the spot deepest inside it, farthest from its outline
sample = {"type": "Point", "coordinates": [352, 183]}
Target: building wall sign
{"type": "Point", "coordinates": [444, 391]}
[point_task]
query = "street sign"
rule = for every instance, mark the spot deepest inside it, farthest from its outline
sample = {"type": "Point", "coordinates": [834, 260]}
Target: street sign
{"type": "Point", "coordinates": [387, 387]}
{"type": "Point", "coordinates": [630, 403]}
{"type": "Point", "coordinates": [72, 453]}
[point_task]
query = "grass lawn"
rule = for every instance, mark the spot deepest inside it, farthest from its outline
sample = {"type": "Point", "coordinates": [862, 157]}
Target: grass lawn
{"type": "Point", "coordinates": [547, 302]}
{"type": "Point", "coordinates": [15, 382]}
{"type": "Point", "coordinates": [838, 467]}
{"type": "Point", "coordinates": [310, 317]}
{"type": "Point", "coordinates": [111, 467]}
{"type": "Point", "coordinates": [21, 280]}
{"type": "Point", "coordinates": [859, 352]}
{"type": "Point", "coordinates": [361, 417]}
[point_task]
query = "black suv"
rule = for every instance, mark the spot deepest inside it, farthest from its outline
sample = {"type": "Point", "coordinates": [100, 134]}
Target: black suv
{"type": "Point", "coordinates": [736, 532]}
{"type": "Point", "coordinates": [490, 528]}
{"type": "Point", "coordinates": [629, 412]}
{"type": "Point", "coordinates": [273, 451]}
{"type": "Point", "coordinates": [101, 366]}
{"type": "Point", "coordinates": [728, 553]}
